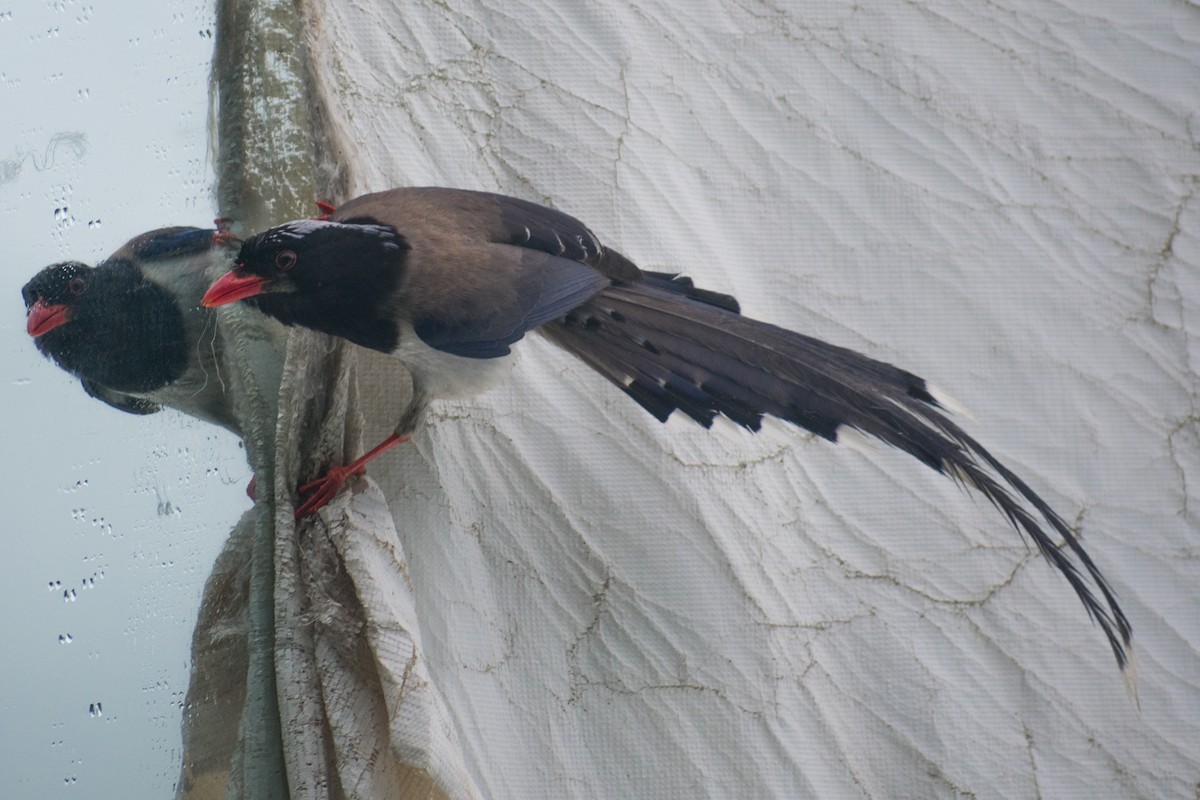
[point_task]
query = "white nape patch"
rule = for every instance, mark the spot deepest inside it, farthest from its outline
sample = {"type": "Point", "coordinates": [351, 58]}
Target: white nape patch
{"type": "Point", "coordinates": [302, 227]}
{"type": "Point", "coordinates": [949, 403]}
{"type": "Point", "coordinates": [856, 440]}
{"type": "Point", "coordinates": [298, 229]}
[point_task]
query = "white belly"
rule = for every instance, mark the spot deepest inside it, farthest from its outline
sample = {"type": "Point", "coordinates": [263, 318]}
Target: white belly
{"type": "Point", "coordinates": [441, 375]}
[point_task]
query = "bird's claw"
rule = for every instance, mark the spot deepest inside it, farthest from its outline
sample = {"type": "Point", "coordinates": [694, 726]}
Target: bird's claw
{"type": "Point", "coordinates": [326, 209]}
{"type": "Point", "coordinates": [324, 489]}
{"type": "Point", "coordinates": [224, 235]}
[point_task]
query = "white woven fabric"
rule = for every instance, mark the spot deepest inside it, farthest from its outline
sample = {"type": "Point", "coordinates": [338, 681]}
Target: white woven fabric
{"type": "Point", "coordinates": [579, 603]}
{"type": "Point", "coordinates": [358, 715]}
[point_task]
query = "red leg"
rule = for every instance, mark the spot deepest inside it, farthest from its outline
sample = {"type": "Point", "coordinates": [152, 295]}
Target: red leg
{"type": "Point", "coordinates": [324, 488]}
{"type": "Point", "coordinates": [326, 209]}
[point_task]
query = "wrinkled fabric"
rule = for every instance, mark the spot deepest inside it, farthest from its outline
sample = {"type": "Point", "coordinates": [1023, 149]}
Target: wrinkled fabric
{"type": "Point", "coordinates": [359, 717]}
{"type": "Point", "coordinates": [570, 600]}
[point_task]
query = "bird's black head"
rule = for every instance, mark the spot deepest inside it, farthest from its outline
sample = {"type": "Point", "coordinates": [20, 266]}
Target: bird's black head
{"type": "Point", "coordinates": [106, 324]}
{"type": "Point", "coordinates": [335, 277]}
{"type": "Point", "coordinates": [53, 295]}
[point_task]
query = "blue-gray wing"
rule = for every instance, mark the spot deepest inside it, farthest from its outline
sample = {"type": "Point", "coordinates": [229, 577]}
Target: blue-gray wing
{"type": "Point", "coordinates": [166, 243]}
{"type": "Point", "coordinates": [527, 288]}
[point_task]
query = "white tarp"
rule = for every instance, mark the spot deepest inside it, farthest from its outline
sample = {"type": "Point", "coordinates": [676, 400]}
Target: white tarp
{"type": "Point", "coordinates": [999, 198]}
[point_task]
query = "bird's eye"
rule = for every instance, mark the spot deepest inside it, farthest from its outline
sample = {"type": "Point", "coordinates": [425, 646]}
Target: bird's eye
{"type": "Point", "coordinates": [285, 260]}
{"type": "Point", "coordinates": [77, 286]}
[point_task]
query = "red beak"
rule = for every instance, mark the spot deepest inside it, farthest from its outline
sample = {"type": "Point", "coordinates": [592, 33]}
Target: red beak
{"type": "Point", "coordinates": [233, 286]}
{"type": "Point", "coordinates": [44, 318]}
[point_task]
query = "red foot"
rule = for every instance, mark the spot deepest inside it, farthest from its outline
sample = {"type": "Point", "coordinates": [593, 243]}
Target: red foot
{"type": "Point", "coordinates": [326, 487]}
{"type": "Point", "coordinates": [252, 488]}
{"type": "Point", "coordinates": [326, 209]}
{"type": "Point", "coordinates": [223, 235]}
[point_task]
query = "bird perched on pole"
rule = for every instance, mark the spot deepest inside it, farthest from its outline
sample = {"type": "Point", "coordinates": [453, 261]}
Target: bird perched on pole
{"type": "Point", "coordinates": [448, 280]}
{"type": "Point", "coordinates": [132, 328]}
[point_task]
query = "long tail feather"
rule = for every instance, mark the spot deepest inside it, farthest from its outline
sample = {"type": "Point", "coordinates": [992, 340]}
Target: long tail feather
{"type": "Point", "coordinates": [672, 347]}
